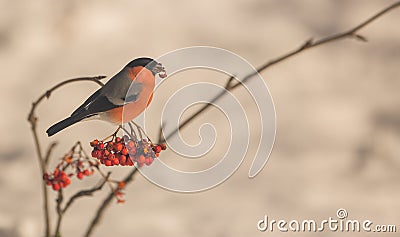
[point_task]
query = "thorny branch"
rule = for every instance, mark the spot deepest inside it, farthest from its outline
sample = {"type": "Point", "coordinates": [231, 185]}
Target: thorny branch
{"type": "Point", "coordinates": [351, 33]}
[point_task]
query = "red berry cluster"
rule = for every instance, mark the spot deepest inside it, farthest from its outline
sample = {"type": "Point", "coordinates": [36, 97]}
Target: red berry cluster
{"type": "Point", "coordinates": [58, 179]}
{"type": "Point", "coordinates": [126, 151]}
{"type": "Point", "coordinates": [73, 163]}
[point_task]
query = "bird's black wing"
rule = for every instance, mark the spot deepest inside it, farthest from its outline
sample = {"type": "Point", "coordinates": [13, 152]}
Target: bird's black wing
{"type": "Point", "coordinates": [98, 102]}
{"type": "Point", "coordinates": [95, 104]}
{"type": "Point", "coordinates": [89, 100]}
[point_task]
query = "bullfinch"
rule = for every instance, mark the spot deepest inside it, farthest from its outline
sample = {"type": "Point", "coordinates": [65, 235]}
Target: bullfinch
{"type": "Point", "coordinates": [121, 99]}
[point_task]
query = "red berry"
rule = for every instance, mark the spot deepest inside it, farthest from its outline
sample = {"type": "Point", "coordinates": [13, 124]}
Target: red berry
{"type": "Point", "coordinates": [86, 172]}
{"type": "Point", "coordinates": [109, 145]}
{"type": "Point", "coordinates": [94, 154]}
{"type": "Point", "coordinates": [117, 139]}
{"type": "Point", "coordinates": [124, 151]}
{"type": "Point", "coordinates": [115, 161]}
{"type": "Point", "coordinates": [158, 149]}
{"type": "Point", "coordinates": [132, 151]}
{"type": "Point", "coordinates": [79, 175]}
{"type": "Point", "coordinates": [121, 185]}
{"type": "Point", "coordinates": [131, 144]}
{"type": "Point", "coordinates": [100, 146]}
{"type": "Point", "coordinates": [118, 147]}
{"type": "Point", "coordinates": [141, 159]}
{"type": "Point", "coordinates": [63, 175]}
{"type": "Point", "coordinates": [111, 156]}
{"type": "Point", "coordinates": [149, 160]}
{"type": "Point", "coordinates": [56, 186]}
{"type": "Point", "coordinates": [94, 143]}
{"type": "Point", "coordinates": [108, 163]}
{"type": "Point", "coordinates": [122, 158]}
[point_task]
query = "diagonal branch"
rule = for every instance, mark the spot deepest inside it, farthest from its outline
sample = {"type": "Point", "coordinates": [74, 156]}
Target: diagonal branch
{"type": "Point", "coordinates": [309, 44]}
{"type": "Point", "coordinates": [86, 192]}
{"type": "Point", "coordinates": [106, 203]}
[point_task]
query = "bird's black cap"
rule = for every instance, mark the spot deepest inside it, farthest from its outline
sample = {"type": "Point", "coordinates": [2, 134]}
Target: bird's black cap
{"type": "Point", "coordinates": [148, 63]}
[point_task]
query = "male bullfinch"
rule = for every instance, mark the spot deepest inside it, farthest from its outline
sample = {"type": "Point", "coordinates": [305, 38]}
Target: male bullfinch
{"type": "Point", "coordinates": [121, 99]}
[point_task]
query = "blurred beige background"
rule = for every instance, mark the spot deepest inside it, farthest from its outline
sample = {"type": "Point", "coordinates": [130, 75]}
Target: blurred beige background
{"type": "Point", "coordinates": [338, 123]}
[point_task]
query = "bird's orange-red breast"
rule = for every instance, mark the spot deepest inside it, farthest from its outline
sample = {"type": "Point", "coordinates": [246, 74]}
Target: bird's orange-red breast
{"type": "Point", "coordinates": [132, 110]}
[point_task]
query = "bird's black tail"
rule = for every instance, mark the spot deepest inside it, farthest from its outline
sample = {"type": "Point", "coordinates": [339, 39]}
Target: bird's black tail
{"type": "Point", "coordinates": [62, 124]}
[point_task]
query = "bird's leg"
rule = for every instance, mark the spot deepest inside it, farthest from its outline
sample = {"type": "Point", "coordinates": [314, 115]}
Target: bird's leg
{"type": "Point", "coordinates": [132, 130]}
{"type": "Point", "coordinates": [127, 132]}
{"type": "Point", "coordinates": [140, 129]}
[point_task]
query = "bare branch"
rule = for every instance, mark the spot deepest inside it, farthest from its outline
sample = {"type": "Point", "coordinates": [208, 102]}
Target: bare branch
{"type": "Point", "coordinates": [86, 192]}
{"type": "Point", "coordinates": [106, 203]}
{"type": "Point", "coordinates": [49, 151]}
{"type": "Point", "coordinates": [32, 119]}
{"type": "Point", "coordinates": [351, 33]}
{"type": "Point", "coordinates": [59, 200]}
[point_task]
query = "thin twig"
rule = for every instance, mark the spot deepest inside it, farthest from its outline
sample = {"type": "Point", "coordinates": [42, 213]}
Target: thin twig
{"type": "Point", "coordinates": [160, 133]}
{"type": "Point", "coordinates": [42, 166]}
{"type": "Point", "coordinates": [141, 130]}
{"type": "Point", "coordinates": [351, 33]}
{"type": "Point", "coordinates": [87, 192]}
{"type": "Point", "coordinates": [59, 200]}
{"type": "Point", "coordinates": [132, 130]}
{"type": "Point", "coordinates": [49, 151]}
{"type": "Point", "coordinates": [43, 161]}
{"type": "Point", "coordinates": [32, 118]}
{"type": "Point", "coordinates": [106, 203]}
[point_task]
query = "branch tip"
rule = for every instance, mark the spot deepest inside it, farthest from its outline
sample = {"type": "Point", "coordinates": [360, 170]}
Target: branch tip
{"type": "Point", "coordinates": [360, 37]}
{"type": "Point", "coordinates": [307, 44]}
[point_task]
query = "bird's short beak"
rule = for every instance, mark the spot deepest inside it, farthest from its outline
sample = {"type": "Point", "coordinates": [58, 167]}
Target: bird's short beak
{"type": "Point", "coordinates": [160, 70]}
